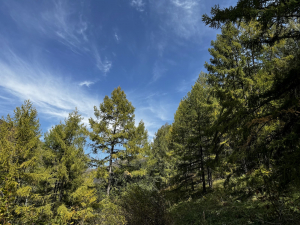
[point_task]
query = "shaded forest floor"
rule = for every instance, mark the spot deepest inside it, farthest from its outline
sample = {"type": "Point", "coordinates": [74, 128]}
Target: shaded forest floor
{"type": "Point", "coordinates": [219, 207]}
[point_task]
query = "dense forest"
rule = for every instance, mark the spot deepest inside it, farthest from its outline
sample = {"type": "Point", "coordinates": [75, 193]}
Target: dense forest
{"type": "Point", "coordinates": [231, 155]}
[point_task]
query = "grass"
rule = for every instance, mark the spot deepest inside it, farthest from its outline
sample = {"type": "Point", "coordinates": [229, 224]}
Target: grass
{"type": "Point", "coordinates": [219, 207]}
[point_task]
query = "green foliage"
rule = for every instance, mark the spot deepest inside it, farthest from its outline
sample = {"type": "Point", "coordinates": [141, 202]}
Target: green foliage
{"type": "Point", "coordinates": [144, 206]}
{"type": "Point", "coordinates": [191, 136]}
{"type": "Point", "coordinates": [70, 187]}
{"type": "Point", "coordinates": [267, 13]}
{"type": "Point", "coordinates": [111, 213]}
{"type": "Point", "coordinates": [222, 206]}
{"type": "Point", "coordinates": [114, 132]}
{"type": "Point", "coordinates": [231, 156]}
{"type": "Point", "coordinates": [21, 168]}
{"type": "Point", "coordinates": [161, 161]}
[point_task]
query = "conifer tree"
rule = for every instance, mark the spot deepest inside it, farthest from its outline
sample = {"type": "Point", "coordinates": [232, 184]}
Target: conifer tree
{"type": "Point", "coordinates": [137, 148]}
{"type": "Point", "coordinates": [66, 158]}
{"type": "Point", "coordinates": [204, 110]}
{"type": "Point", "coordinates": [161, 160]}
{"type": "Point", "coordinates": [8, 170]}
{"type": "Point", "coordinates": [268, 13]}
{"type": "Point", "coordinates": [114, 132]}
{"type": "Point", "coordinates": [191, 138]}
{"type": "Point", "coordinates": [249, 124]}
{"type": "Point", "coordinates": [22, 166]}
{"type": "Point", "coordinates": [232, 72]}
{"type": "Point", "coordinates": [179, 143]}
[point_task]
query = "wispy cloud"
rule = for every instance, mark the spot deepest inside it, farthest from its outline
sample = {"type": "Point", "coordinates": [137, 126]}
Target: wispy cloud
{"type": "Point", "coordinates": [69, 33]}
{"type": "Point", "coordinates": [66, 24]}
{"type": "Point", "coordinates": [103, 65]}
{"type": "Point", "coordinates": [158, 71]}
{"type": "Point", "coordinates": [155, 109]}
{"type": "Point", "coordinates": [75, 35]}
{"type": "Point", "coordinates": [139, 5]}
{"type": "Point", "coordinates": [49, 91]}
{"type": "Point", "coordinates": [155, 112]}
{"type": "Point", "coordinates": [5, 98]}
{"type": "Point", "coordinates": [117, 37]}
{"type": "Point", "coordinates": [86, 83]}
{"type": "Point", "coordinates": [183, 17]}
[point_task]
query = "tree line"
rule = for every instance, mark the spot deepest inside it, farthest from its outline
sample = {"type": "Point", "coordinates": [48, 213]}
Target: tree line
{"type": "Point", "coordinates": [238, 128]}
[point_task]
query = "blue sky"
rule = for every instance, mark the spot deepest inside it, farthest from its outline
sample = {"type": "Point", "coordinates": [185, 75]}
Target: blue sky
{"type": "Point", "coordinates": [64, 54]}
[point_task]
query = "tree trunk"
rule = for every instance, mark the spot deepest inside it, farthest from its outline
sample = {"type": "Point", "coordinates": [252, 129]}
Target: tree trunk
{"type": "Point", "coordinates": [202, 170]}
{"type": "Point", "coordinates": [192, 177]}
{"type": "Point", "coordinates": [61, 189]}
{"type": "Point", "coordinates": [110, 170]}
{"type": "Point", "coordinates": [209, 177]}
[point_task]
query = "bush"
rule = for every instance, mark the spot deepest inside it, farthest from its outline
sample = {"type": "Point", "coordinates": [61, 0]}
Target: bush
{"type": "Point", "coordinates": [144, 206]}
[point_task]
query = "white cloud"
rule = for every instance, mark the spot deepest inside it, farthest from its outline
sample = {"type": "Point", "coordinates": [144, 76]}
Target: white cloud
{"type": "Point", "coordinates": [86, 83]}
{"type": "Point", "coordinates": [158, 71]}
{"type": "Point", "coordinates": [155, 109]}
{"type": "Point", "coordinates": [72, 33]}
{"type": "Point", "coordinates": [183, 17]}
{"type": "Point", "coordinates": [117, 37]}
{"type": "Point", "coordinates": [65, 24]}
{"type": "Point", "coordinates": [103, 65]}
{"type": "Point", "coordinates": [139, 5]}
{"type": "Point", "coordinates": [51, 93]}
{"type": "Point", "coordinates": [5, 98]}
{"type": "Point", "coordinates": [155, 112]}
{"type": "Point", "coordinates": [185, 4]}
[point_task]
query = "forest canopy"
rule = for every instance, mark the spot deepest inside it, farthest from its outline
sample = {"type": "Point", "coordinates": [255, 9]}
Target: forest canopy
{"type": "Point", "coordinates": [231, 155]}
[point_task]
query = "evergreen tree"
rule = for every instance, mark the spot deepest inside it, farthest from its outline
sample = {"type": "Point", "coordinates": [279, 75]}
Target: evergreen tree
{"type": "Point", "coordinates": [114, 132]}
{"type": "Point", "coordinates": [179, 143]}
{"type": "Point", "coordinates": [8, 171]}
{"type": "Point", "coordinates": [68, 163]}
{"type": "Point", "coordinates": [231, 80]}
{"type": "Point", "coordinates": [161, 160]}
{"type": "Point", "coordinates": [191, 137]}
{"type": "Point", "coordinates": [268, 13]}
{"type": "Point", "coordinates": [250, 92]}
{"type": "Point", "coordinates": [22, 167]}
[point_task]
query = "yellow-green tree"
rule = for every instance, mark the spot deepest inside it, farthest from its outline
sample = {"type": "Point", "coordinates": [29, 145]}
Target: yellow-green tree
{"type": "Point", "coordinates": [22, 170]}
{"type": "Point", "coordinates": [191, 136]}
{"type": "Point", "coordinates": [114, 132]}
{"type": "Point", "coordinates": [71, 187]}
